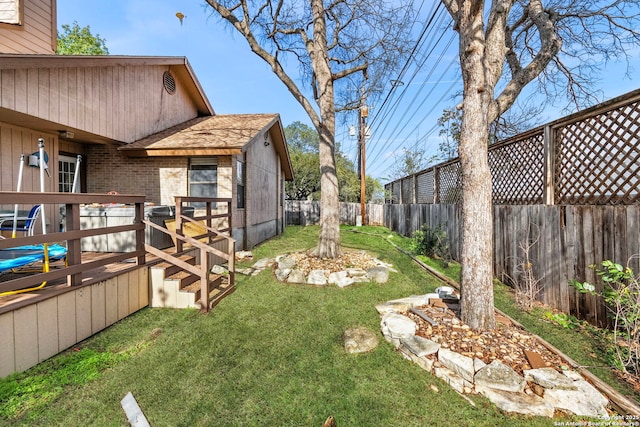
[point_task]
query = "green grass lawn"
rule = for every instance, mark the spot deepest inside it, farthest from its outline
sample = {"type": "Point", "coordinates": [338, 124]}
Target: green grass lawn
{"type": "Point", "coordinates": [270, 354]}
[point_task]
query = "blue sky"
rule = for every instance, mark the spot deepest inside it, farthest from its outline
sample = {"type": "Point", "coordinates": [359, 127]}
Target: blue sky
{"type": "Point", "coordinates": [237, 81]}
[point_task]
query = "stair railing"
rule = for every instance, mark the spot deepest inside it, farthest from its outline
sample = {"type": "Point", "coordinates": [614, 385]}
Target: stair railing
{"type": "Point", "coordinates": [211, 235]}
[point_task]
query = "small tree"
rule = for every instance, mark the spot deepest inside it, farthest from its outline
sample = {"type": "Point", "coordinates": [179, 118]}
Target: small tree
{"type": "Point", "coordinates": [79, 41]}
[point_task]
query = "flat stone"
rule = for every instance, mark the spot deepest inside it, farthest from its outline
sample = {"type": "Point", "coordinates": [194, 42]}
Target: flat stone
{"type": "Point", "coordinates": [549, 378]}
{"type": "Point", "coordinates": [461, 365]}
{"type": "Point", "coordinates": [245, 271]}
{"type": "Point", "coordinates": [340, 279]}
{"type": "Point", "coordinates": [518, 403]}
{"type": "Point", "coordinates": [220, 270]}
{"type": "Point", "coordinates": [285, 262]}
{"type": "Point", "coordinates": [282, 274]}
{"type": "Point", "coordinates": [498, 376]}
{"type": "Point", "coordinates": [356, 272]}
{"type": "Point", "coordinates": [454, 380]}
{"type": "Point", "coordinates": [478, 364]}
{"type": "Point", "coordinates": [404, 304]}
{"type": "Point", "coordinates": [263, 263]}
{"type": "Point", "coordinates": [296, 276]}
{"type": "Point", "coordinates": [242, 255]}
{"type": "Point", "coordinates": [318, 277]}
{"type": "Point", "coordinates": [586, 400]}
{"type": "Point", "coordinates": [397, 326]}
{"type": "Point", "coordinates": [424, 362]}
{"type": "Point", "coordinates": [420, 346]}
{"type": "Point", "coordinates": [378, 274]}
{"type": "Point", "coordinates": [359, 340]}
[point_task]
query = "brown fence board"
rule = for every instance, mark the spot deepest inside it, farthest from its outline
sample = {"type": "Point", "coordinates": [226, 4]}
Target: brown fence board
{"type": "Point", "coordinates": [571, 239]}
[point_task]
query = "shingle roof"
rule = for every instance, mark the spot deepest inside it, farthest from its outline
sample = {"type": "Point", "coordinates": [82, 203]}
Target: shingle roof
{"type": "Point", "coordinates": [225, 133]}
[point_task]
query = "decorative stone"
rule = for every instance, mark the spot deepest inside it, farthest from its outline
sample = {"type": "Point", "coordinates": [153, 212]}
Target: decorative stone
{"type": "Point", "coordinates": [359, 340]}
{"type": "Point", "coordinates": [461, 365]}
{"type": "Point", "coordinates": [420, 346]}
{"type": "Point", "coordinates": [454, 380]}
{"type": "Point", "coordinates": [584, 401]}
{"type": "Point", "coordinates": [478, 364]}
{"type": "Point", "coordinates": [519, 403]}
{"type": "Point", "coordinates": [296, 276]}
{"type": "Point", "coordinates": [378, 274]}
{"type": "Point", "coordinates": [397, 326]}
{"type": "Point", "coordinates": [245, 271]}
{"type": "Point", "coordinates": [264, 263]}
{"type": "Point", "coordinates": [499, 376]}
{"type": "Point", "coordinates": [358, 275]}
{"type": "Point", "coordinates": [549, 378]}
{"type": "Point", "coordinates": [242, 255]}
{"type": "Point", "coordinates": [282, 274]}
{"type": "Point", "coordinates": [285, 262]}
{"type": "Point", "coordinates": [318, 277]}
{"type": "Point", "coordinates": [340, 279]}
{"type": "Point", "coordinates": [220, 270]}
{"type": "Point", "coordinates": [402, 304]}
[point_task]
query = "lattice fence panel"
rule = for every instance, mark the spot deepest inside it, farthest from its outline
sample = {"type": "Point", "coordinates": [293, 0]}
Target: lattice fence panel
{"type": "Point", "coordinates": [598, 159]}
{"type": "Point", "coordinates": [407, 189]}
{"type": "Point", "coordinates": [517, 171]}
{"type": "Point", "coordinates": [424, 185]}
{"type": "Point", "coordinates": [449, 183]}
{"type": "Point", "coordinates": [395, 192]}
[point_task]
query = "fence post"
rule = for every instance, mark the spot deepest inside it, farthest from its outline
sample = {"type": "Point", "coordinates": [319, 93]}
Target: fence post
{"type": "Point", "coordinates": [436, 185]}
{"type": "Point", "coordinates": [549, 165]}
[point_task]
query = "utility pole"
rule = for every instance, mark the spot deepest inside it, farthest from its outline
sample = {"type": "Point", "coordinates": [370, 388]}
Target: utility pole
{"type": "Point", "coordinates": [362, 135]}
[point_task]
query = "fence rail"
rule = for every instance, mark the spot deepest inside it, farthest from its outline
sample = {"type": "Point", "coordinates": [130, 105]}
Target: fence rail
{"type": "Point", "coordinates": [307, 212]}
{"type": "Point", "coordinates": [588, 158]}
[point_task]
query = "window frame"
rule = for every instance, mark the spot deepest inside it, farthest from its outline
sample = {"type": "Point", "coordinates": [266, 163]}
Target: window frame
{"type": "Point", "coordinates": [202, 164]}
{"type": "Point", "coordinates": [18, 22]}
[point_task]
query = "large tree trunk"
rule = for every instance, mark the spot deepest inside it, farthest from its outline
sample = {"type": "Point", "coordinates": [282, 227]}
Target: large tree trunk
{"type": "Point", "coordinates": [329, 239]}
{"type": "Point", "coordinates": [477, 214]}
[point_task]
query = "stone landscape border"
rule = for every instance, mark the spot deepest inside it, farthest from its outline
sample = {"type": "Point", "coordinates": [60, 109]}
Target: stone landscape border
{"type": "Point", "coordinates": [621, 403]}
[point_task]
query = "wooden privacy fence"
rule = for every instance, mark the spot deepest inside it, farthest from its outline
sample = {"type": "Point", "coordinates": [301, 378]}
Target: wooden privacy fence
{"type": "Point", "coordinates": [590, 157]}
{"type": "Point", "coordinates": [307, 212]}
{"type": "Point", "coordinates": [574, 182]}
{"type": "Point", "coordinates": [565, 241]}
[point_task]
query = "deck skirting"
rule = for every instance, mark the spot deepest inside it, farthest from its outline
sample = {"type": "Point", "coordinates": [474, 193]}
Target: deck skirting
{"type": "Point", "coordinates": [34, 333]}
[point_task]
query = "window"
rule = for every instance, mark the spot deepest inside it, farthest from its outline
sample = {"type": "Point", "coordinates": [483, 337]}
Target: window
{"type": "Point", "coordinates": [240, 183]}
{"type": "Point", "coordinates": [203, 179]}
{"type": "Point", "coordinates": [10, 12]}
{"type": "Point", "coordinates": [66, 174]}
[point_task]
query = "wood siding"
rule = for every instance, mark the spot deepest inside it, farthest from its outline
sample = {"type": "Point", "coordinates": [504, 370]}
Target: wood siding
{"type": "Point", "coordinates": [122, 103]}
{"type": "Point", "coordinates": [15, 141]}
{"type": "Point", "coordinates": [36, 34]}
{"type": "Point", "coordinates": [36, 332]}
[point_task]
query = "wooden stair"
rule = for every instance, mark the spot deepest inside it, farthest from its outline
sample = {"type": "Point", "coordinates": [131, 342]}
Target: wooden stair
{"type": "Point", "coordinates": [173, 287]}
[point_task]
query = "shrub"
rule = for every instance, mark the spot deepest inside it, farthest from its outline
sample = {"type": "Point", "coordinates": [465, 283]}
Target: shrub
{"type": "Point", "coordinates": [622, 295]}
{"type": "Point", "coordinates": [432, 242]}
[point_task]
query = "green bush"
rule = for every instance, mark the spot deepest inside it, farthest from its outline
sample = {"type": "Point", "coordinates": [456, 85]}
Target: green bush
{"type": "Point", "coordinates": [621, 293]}
{"type": "Point", "coordinates": [432, 242]}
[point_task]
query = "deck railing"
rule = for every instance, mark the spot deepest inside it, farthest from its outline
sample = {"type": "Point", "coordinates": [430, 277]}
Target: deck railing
{"type": "Point", "coordinates": [73, 235]}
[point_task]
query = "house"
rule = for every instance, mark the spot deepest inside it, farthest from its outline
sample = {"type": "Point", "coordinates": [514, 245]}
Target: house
{"type": "Point", "coordinates": [146, 133]}
{"type": "Point", "coordinates": [143, 125]}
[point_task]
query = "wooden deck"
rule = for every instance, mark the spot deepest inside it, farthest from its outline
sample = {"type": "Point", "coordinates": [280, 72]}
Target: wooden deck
{"type": "Point", "coordinates": [57, 287]}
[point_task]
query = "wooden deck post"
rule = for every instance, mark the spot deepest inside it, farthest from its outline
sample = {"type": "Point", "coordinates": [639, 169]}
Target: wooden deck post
{"type": "Point", "coordinates": [74, 246]}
